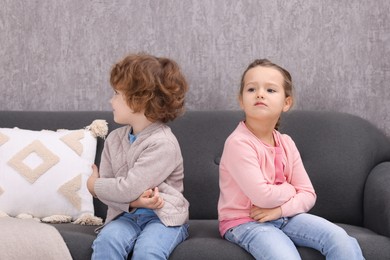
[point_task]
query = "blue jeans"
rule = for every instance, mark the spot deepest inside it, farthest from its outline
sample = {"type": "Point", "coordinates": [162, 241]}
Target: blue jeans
{"type": "Point", "coordinates": [278, 239]}
{"type": "Point", "coordinates": [141, 232]}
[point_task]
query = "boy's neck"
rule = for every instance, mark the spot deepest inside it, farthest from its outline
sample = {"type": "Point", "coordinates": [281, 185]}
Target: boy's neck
{"type": "Point", "coordinates": [140, 124]}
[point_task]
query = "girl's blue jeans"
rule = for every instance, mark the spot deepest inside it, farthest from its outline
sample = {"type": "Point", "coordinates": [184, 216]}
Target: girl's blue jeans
{"type": "Point", "coordinates": [278, 239]}
{"type": "Point", "coordinates": [141, 233]}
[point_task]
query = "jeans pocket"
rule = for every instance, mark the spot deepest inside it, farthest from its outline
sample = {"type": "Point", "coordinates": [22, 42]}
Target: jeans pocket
{"type": "Point", "coordinates": [229, 236]}
{"type": "Point", "coordinates": [236, 234]}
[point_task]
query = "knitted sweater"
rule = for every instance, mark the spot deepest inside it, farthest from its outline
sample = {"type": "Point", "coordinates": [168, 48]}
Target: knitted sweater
{"type": "Point", "coordinates": [247, 174]}
{"type": "Point", "coordinates": [128, 169]}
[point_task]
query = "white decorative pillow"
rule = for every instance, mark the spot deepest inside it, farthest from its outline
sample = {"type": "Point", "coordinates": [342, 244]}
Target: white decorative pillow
{"type": "Point", "coordinates": [43, 174]}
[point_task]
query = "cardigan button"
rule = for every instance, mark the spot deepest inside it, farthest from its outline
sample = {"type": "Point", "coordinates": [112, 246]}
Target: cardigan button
{"type": "Point", "coordinates": [217, 160]}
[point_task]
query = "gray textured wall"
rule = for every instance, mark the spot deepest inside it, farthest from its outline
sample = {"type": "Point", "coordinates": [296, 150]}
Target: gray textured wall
{"type": "Point", "coordinates": [56, 55]}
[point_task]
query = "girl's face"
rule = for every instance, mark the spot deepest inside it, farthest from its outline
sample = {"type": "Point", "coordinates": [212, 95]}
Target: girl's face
{"type": "Point", "coordinates": [122, 112]}
{"type": "Point", "coordinates": [263, 94]}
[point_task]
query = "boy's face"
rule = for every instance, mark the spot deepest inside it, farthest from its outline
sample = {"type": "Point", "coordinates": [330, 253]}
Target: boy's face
{"type": "Point", "coordinates": [123, 114]}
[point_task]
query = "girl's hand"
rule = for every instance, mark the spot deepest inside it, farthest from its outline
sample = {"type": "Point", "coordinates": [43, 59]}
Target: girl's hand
{"type": "Point", "coordinates": [264, 215]}
{"type": "Point", "coordinates": [149, 199]}
{"type": "Point", "coordinates": [91, 180]}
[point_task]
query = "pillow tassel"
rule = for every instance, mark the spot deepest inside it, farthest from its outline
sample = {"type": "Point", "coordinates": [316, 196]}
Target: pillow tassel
{"type": "Point", "coordinates": [27, 216]}
{"type": "Point", "coordinates": [3, 214]}
{"type": "Point", "coordinates": [98, 128]}
{"type": "Point", "coordinates": [89, 220]}
{"type": "Point", "coordinates": [57, 219]}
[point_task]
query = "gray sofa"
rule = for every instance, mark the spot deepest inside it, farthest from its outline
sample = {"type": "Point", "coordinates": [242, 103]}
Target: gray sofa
{"type": "Point", "coordinates": [347, 158]}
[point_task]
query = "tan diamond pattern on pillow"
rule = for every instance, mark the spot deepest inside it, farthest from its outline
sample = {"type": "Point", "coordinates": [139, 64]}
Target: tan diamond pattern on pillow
{"type": "Point", "coordinates": [70, 189]}
{"type": "Point", "coordinates": [73, 141]}
{"type": "Point", "coordinates": [3, 139]}
{"type": "Point", "coordinates": [49, 159]}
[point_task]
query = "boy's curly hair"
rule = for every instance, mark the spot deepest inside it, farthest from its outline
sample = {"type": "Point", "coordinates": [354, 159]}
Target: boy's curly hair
{"type": "Point", "coordinates": [153, 84]}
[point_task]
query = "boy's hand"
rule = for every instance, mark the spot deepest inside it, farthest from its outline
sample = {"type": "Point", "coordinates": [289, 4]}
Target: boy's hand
{"type": "Point", "coordinates": [149, 199]}
{"type": "Point", "coordinates": [264, 215]}
{"type": "Point", "coordinates": [91, 180]}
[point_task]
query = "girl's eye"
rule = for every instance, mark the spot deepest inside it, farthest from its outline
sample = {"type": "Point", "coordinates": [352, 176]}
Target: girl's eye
{"type": "Point", "coordinates": [270, 90]}
{"type": "Point", "coordinates": [251, 89]}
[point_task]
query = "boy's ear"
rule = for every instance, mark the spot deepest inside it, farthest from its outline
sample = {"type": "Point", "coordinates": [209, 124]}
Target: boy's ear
{"type": "Point", "coordinates": [287, 104]}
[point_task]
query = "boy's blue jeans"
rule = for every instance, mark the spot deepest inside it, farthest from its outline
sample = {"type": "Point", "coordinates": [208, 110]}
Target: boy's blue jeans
{"type": "Point", "coordinates": [278, 239]}
{"type": "Point", "coordinates": [141, 232]}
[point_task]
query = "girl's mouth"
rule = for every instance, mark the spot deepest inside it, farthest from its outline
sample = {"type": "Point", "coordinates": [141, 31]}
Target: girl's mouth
{"type": "Point", "coordinates": [259, 104]}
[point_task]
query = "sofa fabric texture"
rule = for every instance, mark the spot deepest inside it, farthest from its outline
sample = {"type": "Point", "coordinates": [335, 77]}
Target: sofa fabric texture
{"type": "Point", "coordinates": [346, 157]}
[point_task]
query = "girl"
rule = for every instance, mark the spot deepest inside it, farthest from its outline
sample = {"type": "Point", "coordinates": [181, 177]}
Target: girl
{"type": "Point", "coordinates": [141, 169]}
{"type": "Point", "coordinates": [264, 188]}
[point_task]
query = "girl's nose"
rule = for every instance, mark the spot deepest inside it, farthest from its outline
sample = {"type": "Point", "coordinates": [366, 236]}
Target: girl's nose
{"type": "Point", "coordinates": [260, 94]}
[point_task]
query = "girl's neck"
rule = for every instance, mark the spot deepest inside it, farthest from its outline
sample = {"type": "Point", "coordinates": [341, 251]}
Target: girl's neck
{"type": "Point", "coordinates": [262, 130]}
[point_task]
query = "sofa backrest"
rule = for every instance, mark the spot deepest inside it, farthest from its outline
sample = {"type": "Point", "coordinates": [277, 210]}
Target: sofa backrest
{"type": "Point", "coordinates": [202, 135]}
{"type": "Point", "coordinates": [338, 151]}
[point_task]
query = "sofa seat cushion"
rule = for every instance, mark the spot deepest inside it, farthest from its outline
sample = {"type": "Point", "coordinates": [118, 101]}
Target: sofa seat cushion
{"type": "Point", "coordinates": [78, 238]}
{"type": "Point", "coordinates": [378, 250]}
{"type": "Point", "coordinates": [204, 235]}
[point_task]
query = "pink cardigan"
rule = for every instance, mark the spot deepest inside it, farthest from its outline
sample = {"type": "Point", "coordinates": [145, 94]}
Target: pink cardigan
{"type": "Point", "coordinates": [247, 173]}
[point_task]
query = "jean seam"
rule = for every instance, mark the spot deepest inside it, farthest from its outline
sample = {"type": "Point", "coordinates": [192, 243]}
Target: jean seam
{"type": "Point", "coordinates": [180, 233]}
{"type": "Point", "coordinates": [298, 236]}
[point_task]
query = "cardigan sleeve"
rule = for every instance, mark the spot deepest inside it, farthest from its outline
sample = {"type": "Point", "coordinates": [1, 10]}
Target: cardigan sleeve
{"type": "Point", "coordinates": [240, 161]}
{"type": "Point", "coordinates": [305, 196]}
{"type": "Point", "coordinates": [105, 171]}
{"type": "Point", "coordinates": [156, 162]}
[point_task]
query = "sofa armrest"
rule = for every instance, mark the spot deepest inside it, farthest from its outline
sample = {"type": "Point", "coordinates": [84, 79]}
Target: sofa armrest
{"type": "Point", "coordinates": [377, 200]}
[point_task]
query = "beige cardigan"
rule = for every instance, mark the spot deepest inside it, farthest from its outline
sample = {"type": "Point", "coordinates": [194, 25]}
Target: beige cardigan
{"type": "Point", "coordinates": [128, 169]}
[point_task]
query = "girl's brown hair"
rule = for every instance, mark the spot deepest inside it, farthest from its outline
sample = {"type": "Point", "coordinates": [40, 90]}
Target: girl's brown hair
{"type": "Point", "coordinates": [155, 85]}
{"type": "Point", "coordinates": [288, 85]}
